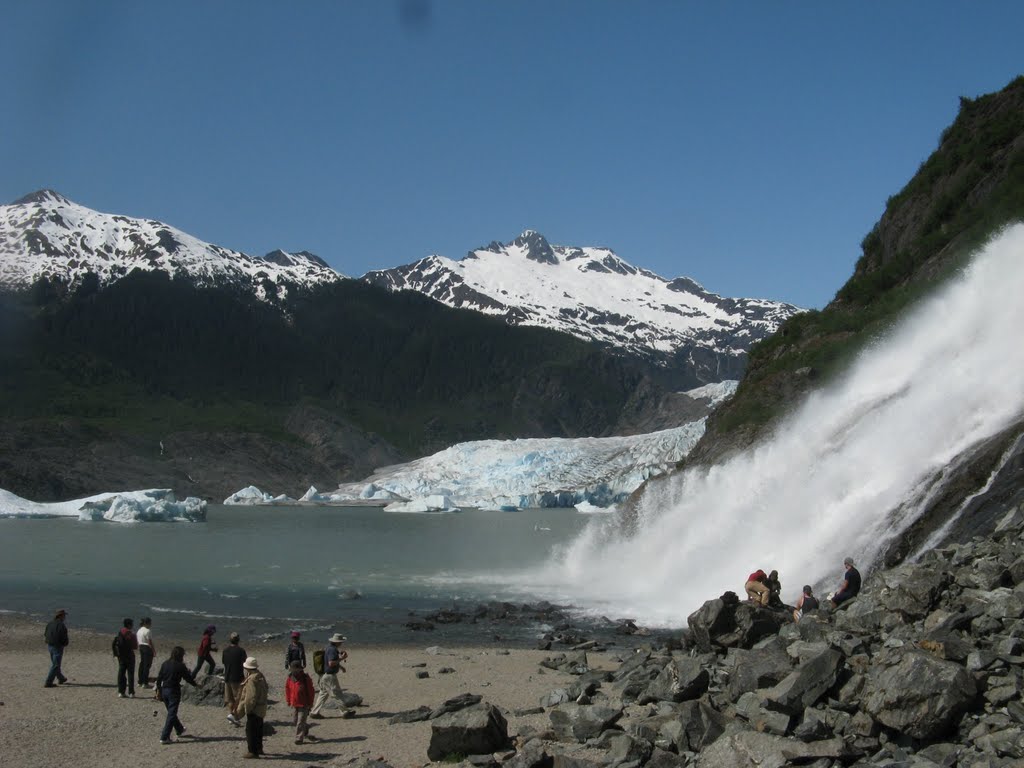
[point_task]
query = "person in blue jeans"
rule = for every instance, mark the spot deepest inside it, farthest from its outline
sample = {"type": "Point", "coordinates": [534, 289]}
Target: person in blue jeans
{"type": "Point", "coordinates": [168, 685]}
{"type": "Point", "coordinates": [56, 635]}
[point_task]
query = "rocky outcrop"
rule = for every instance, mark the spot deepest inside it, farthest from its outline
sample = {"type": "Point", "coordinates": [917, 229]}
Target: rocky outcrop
{"type": "Point", "coordinates": [924, 668]}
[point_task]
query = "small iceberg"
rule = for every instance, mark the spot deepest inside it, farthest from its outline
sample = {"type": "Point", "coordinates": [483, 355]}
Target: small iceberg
{"type": "Point", "coordinates": [154, 505]}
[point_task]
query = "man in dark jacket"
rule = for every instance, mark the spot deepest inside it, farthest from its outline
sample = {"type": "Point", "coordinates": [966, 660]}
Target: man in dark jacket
{"type": "Point", "coordinates": [124, 646]}
{"type": "Point", "coordinates": [56, 635]}
{"type": "Point", "coordinates": [234, 674]}
{"type": "Point", "coordinates": [850, 586]}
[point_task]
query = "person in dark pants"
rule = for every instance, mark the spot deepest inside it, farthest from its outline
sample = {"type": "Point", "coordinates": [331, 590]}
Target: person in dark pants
{"type": "Point", "coordinates": [850, 586]}
{"type": "Point", "coordinates": [253, 706]}
{"type": "Point", "coordinates": [147, 650]}
{"type": "Point", "coordinates": [234, 675]}
{"type": "Point", "coordinates": [205, 651]}
{"type": "Point", "coordinates": [124, 647]}
{"type": "Point", "coordinates": [56, 635]}
{"type": "Point", "coordinates": [168, 687]}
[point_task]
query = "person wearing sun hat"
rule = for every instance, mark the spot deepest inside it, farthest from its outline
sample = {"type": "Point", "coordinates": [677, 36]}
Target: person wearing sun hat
{"type": "Point", "coordinates": [254, 706]}
{"type": "Point", "coordinates": [56, 636]}
{"type": "Point", "coordinates": [327, 685]}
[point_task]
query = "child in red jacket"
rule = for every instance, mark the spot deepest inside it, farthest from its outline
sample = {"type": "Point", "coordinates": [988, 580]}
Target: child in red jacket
{"type": "Point", "coordinates": [298, 693]}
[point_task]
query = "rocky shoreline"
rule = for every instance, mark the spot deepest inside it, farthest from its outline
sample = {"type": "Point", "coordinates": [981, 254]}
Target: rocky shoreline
{"type": "Point", "coordinates": [924, 668]}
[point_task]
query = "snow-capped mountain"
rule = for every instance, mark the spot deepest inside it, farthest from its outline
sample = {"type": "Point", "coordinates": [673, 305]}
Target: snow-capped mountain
{"type": "Point", "coordinates": [593, 294]}
{"type": "Point", "coordinates": [47, 235]}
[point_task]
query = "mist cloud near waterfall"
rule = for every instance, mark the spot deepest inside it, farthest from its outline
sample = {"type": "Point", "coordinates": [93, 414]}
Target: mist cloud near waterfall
{"type": "Point", "coordinates": [842, 476]}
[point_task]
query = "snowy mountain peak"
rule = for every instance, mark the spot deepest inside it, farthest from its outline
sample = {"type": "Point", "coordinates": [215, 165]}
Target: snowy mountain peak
{"type": "Point", "coordinates": [45, 235]}
{"type": "Point", "coordinates": [593, 294]}
{"type": "Point", "coordinates": [43, 196]}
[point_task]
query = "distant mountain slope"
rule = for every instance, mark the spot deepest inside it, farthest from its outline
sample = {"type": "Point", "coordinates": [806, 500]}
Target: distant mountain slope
{"type": "Point", "coordinates": [45, 235]}
{"type": "Point", "coordinates": [593, 294]}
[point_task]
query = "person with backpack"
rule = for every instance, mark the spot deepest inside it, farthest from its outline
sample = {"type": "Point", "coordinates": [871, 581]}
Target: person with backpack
{"type": "Point", "coordinates": [298, 693]}
{"type": "Point", "coordinates": [807, 602]}
{"type": "Point", "coordinates": [327, 684]}
{"type": "Point", "coordinates": [147, 650]}
{"type": "Point", "coordinates": [56, 636]}
{"type": "Point", "coordinates": [123, 648]}
{"type": "Point", "coordinates": [255, 695]}
{"type": "Point", "coordinates": [205, 651]}
{"type": "Point", "coordinates": [296, 652]}
{"type": "Point", "coordinates": [233, 659]}
{"type": "Point", "coordinates": [168, 690]}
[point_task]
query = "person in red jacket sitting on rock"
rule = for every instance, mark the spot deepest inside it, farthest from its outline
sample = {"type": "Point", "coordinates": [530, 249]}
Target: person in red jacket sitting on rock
{"type": "Point", "coordinates": [298, 693]}
{"type": "Point", "coordinates": [757, 589]}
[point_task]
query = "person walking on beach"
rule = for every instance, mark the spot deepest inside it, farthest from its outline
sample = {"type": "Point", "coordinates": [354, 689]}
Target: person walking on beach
{"type": "Point", "coordinates": [147, 650]}
{"type": "Point", "coordinates": [56, 636]}
{"type": "Point", "coordinates": [124, 646]}
{"type": "Point", "coordinates": [205, 651]}
{"type": "Point", "coordinates": [233, 660]}
{"type": "Point", "coordinates": [298, 693]}
{"type": "Point", "coordinates": [253, 706]}
{"type": "Point", "coordinates": [327, 685]}
{"type": "Point", "coordinates": [168, 690]}
{"type": "Point", "coordinates": [296, 652]}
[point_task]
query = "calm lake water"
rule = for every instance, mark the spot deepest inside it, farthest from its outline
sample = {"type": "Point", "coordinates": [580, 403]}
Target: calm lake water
{"type": "Point", "coordinates": [266, 570]}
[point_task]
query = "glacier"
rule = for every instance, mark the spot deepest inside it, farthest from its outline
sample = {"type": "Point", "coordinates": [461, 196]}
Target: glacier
{"type": "Point", "coordinates": [588, 473]}
{"type": "Point", "coordinates": [153, 505]}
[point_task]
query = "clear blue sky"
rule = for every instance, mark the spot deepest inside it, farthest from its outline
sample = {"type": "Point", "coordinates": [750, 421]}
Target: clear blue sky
{"type": "Point", "coordinates": [748, 145]}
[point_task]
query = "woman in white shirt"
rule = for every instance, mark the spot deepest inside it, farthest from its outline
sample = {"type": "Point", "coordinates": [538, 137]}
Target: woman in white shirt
{"type": "Point", "coordinates": [146, 650]}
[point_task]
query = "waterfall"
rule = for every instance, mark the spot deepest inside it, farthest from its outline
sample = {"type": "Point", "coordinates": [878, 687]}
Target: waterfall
{"type": "Point", "coordinates": [846, 473]}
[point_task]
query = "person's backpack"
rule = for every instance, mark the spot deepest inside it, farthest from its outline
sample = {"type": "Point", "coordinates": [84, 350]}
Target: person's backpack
{"type": "Point", "coordinates": [318, 661]}
{"type": "Point", "coordinates": [117, 645]}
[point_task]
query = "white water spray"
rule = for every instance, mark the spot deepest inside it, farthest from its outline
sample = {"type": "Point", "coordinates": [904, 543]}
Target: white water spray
{"type": "Point", "coordinates": [844, 475]}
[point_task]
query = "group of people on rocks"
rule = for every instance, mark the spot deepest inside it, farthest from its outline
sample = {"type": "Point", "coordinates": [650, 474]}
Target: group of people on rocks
{"type": "Point", "coordinates": [766, 589]}
{"type": "Point", "coordinates": [245, 687]}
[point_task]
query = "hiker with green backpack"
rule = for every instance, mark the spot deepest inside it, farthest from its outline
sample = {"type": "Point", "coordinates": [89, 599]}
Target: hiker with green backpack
{"type": "Point", "coordinates": [327, 664]}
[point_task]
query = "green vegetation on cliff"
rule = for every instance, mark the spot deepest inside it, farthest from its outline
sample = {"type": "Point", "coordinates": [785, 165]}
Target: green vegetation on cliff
{"type": "Point", "coordinates": [969, 188]}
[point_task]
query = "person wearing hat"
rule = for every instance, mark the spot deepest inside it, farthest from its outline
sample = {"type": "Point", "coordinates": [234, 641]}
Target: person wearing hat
{"type": "Point", "coordinates": [254, 706]}
{"type": "Point", "coordinates": [233, 660]}
{"type": "Point", "coordinates": [298, 693]}
{"type": "Point", "coordinates": [806, 602]}
{"type": "Point", "coordinates": [327, 686]}
{"type": "Point", "coordinates": [205, 651]}
{"type": "Point", "coordinates": [296, 652]}
{"type": "Point", "coordinates": [850, 586]}
{"type": "Point", "coordinates": [56, 636]}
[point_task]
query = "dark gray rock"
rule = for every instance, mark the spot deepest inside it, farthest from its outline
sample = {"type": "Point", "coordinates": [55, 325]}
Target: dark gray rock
{"type": "Point", "coordinates": [806, 684]}
{"type": "Point", "coordinates": [920, 695]}
{"type": "Point", "coordinates": [661, 758]}
{"type": "Point", "coordinates": [532, 755]}
{"type": "Point", "coordinates": [750, 749]}
{"type": "Point", "coordinates": [475, 730]}
{"type": "Point", "coordinates": [411, 715]}
{"type": "Point", "coordinates": [682, 679]}
{"type": "Point", "coordinates": [574, 722]}
{"type": "Point", "coordinates": [911, 590]}
{"type": "Point", "coordinates": [209, 692]}
{"type": "Point", "coordinates": [754, 669]}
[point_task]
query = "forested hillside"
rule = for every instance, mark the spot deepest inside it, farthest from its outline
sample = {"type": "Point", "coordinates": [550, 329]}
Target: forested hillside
{"type": "Point", "coordinates": [149, 357]}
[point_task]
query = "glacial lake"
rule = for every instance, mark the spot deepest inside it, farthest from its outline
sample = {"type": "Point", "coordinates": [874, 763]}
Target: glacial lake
{"type": "Point", "coordinates": [266, 570]}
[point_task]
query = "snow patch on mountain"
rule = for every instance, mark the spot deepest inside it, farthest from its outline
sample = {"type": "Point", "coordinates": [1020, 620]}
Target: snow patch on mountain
{"type": "Point", "coordinates": [45, 235]}
{"type": "Point", "coordinates": [590, 293]}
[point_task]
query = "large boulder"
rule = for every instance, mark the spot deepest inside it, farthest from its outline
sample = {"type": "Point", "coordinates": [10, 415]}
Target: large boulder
{"type": "Point", "coordinates": [920, 695]}
{"type": "Point", "coordinates": [681, 680]}
{"type": "Point", "coordinates": [754, 669]}
{"type": "Point", "coordinates": [802, 687]}
{"type": "Point", "coordinates": [576, 722]}
{"type": "Point", "coordinates": [209, 692]}
{"type": "Point", "coordinates": [728, 623]}
{"type": "Point", "coordinates": [473, 731]}
{"type": "Point", "coordinates": [911, 590]}
{"type": "Point", "coordinates": [750, 749]}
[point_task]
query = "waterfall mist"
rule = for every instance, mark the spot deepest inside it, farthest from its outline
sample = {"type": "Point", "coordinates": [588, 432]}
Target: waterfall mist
{"type": "Point", "coordinates": [845, 474]}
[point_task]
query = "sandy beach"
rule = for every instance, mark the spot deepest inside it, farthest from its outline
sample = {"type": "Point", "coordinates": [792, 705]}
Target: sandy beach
{"type": "Point", "coordinates": [84, 724]}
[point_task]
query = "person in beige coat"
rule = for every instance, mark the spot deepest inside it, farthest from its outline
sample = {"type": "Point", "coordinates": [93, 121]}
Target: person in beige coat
{"type": "Point", "coordinates": [253, 705]}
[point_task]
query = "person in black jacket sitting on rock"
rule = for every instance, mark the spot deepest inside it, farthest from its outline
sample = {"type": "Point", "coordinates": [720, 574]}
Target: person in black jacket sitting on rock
{"type": "Point", "coordinates": [850, 586]}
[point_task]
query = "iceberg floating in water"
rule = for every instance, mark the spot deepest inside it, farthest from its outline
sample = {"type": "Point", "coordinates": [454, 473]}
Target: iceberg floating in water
{"type": "Point", "coordinates": [154, 505]}
{"type": "Point", "coordinates": [253, 495]}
